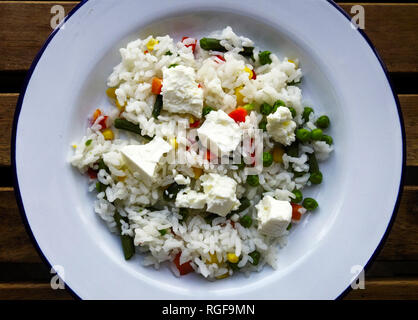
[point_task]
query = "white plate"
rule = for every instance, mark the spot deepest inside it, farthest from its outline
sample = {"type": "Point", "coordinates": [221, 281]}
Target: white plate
{"type": "Point", "coordinates": [343, 77]}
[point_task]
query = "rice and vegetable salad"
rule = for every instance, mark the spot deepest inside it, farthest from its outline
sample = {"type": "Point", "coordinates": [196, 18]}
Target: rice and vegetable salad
{"type": "Point", "coordinates": [201, 162]}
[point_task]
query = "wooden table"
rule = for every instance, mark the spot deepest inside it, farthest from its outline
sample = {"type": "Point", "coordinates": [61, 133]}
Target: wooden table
{"type": "Point", "coordinates": [393, 28]}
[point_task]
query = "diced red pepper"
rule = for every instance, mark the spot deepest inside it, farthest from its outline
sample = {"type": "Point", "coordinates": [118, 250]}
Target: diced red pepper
{"type": "Point", "coordinates": [254, 75]}
{"type": "Point", "coordinates": [199, 85]}
{"type": "Point", "coordinates": [210, 155]}
{"type": "Point", "coordinates": [103, 122]}
{"type": "Point", "coordinates": [195, 124]}
{"type": "Point", "coordinates": [238, 114]}
{"type": "Point", "coordinates": [189, 42]}
{"type": "Point", "coordinates": [146, 51]}
{"type": "Point", "coordinates": [92, 173]}
{"type": "Point", "coordinates": [220, 58]}
{"type": "Point", "coordinates": [184, 268]}
{"type": "Point", "coordinates": [296, 215]}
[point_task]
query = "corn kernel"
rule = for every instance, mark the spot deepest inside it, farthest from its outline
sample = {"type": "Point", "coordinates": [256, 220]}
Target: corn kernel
{"type": "Point", "coordinates": [278, 154]}
{"type": "Point", "coordinates": [197, 172]}
{"type": "Point", "coordinates": [111, 93]}
{"type": "Point", "coordinates": [240, 97]}
{"type": "Point", "coordinates": [108, 134]}
{"type": "Point", "coordinates": [151, 44]}
{"type": "Point", "coordinates": [191, 120]}
{"type": "Point", "coordinates": [223, 276]}
{"type": "Point", "coordinates": [213, 258]}
{"type": "Point", "coordinates": [122, 179]}
{"type": "Point", "coordinates": [74, 146]}
{"type": "Point", "coordinates": [291, 61]}
{"type": "Point", "coordinates": [174, 143]}
{"type": "Point", "coordinates": [232, 257]}
{"type": "Point", "coordinates": [250, 72]}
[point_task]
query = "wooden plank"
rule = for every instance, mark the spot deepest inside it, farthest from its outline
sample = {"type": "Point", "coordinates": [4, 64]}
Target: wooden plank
{"type": "Point", "coordinates": [392, 288]}
{"type": "Point", "coordinates": [409, 106]}
{"type": "Point", "coordinates": [386, 289]}
{"type": "Point", "coordinates": [32, 291]}
{"type": "Point", "coordinates": [24, 26]}
{"type": "Point", "coordinates": [15, 246]}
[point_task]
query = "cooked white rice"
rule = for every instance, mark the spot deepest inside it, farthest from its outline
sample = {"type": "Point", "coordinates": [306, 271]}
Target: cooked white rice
{"type": "Point", "coordinates": [197, 240]}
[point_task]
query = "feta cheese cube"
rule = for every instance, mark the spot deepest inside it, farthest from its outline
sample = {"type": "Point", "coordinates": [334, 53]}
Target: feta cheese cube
{"type": "Point", "coordinates": [219, 133]}
{"type": "Point", "coordinates": [281, 127]}
{"type": "Point", "coordinates": [144, 159]}
{"type": "Point", "coordinates": [273, 216]}
{"type": "Point", "coordinates": [220, 193]}
{"type": "Point", "coordinates": [188, 198]}
{"type": "Point", "coordinates": [180, 91]}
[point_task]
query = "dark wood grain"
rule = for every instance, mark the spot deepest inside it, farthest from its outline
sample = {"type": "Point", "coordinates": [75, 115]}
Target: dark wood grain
{"type": "Point", "coordinates": [24, 26]}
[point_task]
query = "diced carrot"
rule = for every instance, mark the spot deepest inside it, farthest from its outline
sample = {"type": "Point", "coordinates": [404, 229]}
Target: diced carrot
{"type": "Point", "coordinates": [296, 215]}
{"type": "Point", "coordinates": [157, 84]}
{"type": "Point", "coordinates": [184, 268]}
{"type": "Point", "coordinates": [238, 114]}
{"type": "Point", "coordinates": [96, 114]}
{"type": "Point", "coordinates": [146, 51]}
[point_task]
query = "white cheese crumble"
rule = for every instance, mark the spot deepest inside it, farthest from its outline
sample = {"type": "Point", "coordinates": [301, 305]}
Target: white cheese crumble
{"type": "Point", "coordinates": [273, 216]}
{"type": "Point", "coordinates": [281, 127]}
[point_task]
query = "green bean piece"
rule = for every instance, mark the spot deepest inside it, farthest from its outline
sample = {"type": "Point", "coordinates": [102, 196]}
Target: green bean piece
{"type": "Point", "coordinates": [88, 142]}
{"type": "Point", "coordinates": [293, 150]}
{"type": "Point", "coordinates": [253, 180]}
{"type": "Point", "coordinates": [163, 232]}
{"type": "Point", "coordinates": [206, 110]}
{"type": "Point", "coordinates": [170, 193]}
{"type": "Point", "coordinates": [266, 109]}
{"type": "Point", "coordinates": [317, 134]}
{"type": "Point", "coordinates": [233, 266]}
{"type": "Point", "coordinates": [264, 57]}
{"type": "Point", "coordinates": [294, 82]}
{"type": "Point", "coordinates": [316, 177]}
{"type": "Point", "coordinates": [313, 163]}
{"type": "Point", "coordinates": [289, 227]}
{"type": "Point", "coordinates": [245, 203]}
{"type": "Point", "coordinates": [277, 104]}
{"type": "Point", "coordinates": [129, 126]}
{"type": "Point", "coordinates": [127, 241]}
{"type": "Point", "coordinates": [267, 159]}
{"type": "Point", "coordinates": [306, 112]}
{"type": "Point", "coordinates": [298, 196]}
{"type": "Point", "coordinates": [168, 53]}
{"type": "Point", "coordinates": [322, 122]}
{"type": "Point", "coordinates": [211, 44]}
{"type": "Point", "coordinates": [158, 106]}
{"type": "Point", "coordinates": [303, 135]}
{"type": "Point", "coordinates": [255, 255]}
{"type": "Point", "coordinates": [100, 187]}
{"type": "Point", "coordinates": [248, 52]}
{"type": "Point", "coordinates": [263, 124]}
{"type": "Point", "coordinates": [327, 139]}
{"type": "Point", "coordinates": [173, 65]}
{"type": "Point", "coordinates": [246, 221]}
{"type": "Point", "coordinates": [103, 165]}
{"type": "Point", "coordinates": [310, 204]}
{"type": "Point", "coordinates": [209, 218]}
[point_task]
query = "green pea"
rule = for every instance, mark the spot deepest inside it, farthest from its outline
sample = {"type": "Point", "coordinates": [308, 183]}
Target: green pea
{"type": "Point", "coordinates": [247, 52]}
{"type": "Point", "coordinates": [249, 107]}
{"type": "Point", "coordinates": [103, 166]}
{"type": "Point", "coordinates": [255, 255]}
{"type": "Point", "coordinates": [253, 180]}
{"type": "Point", "coordinates": [327, 139]}
{"type": "Point", "coordinates": [306, 112]}
{"type": "Point", "coordinates": [88, 142]}
{"type": "Point", "coordinates": [298, 196]}
{"type": "Point", "coordinates": [277, 104]}
{"type": "Point", "coordinates": [267, 159]}
{"type": "Point", "coordinates": [317, 134]}
{"type": "Point", "coordinates": [206, 110]}
{"type": "Point", "coordinates": [246, 221]}
{"type": "Point", "coordinates": [310, 204]}
{"type": "Point", "coordinates": [265, 109]}
{"type": "Point", "coordinates": [292, 111]}
{"type": "Point", "coordinates": [303, 135]}
{"type": "Point", "coordinates": [316, 177]}
{"type": "Point", "coordinates": [264, 57]}
{"type": "Point", "coordinates": [163, 232]}
{"type": "Point", "coordinates": [322, 122]}
{"type": "Point", "coordinates": [263, 125]}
